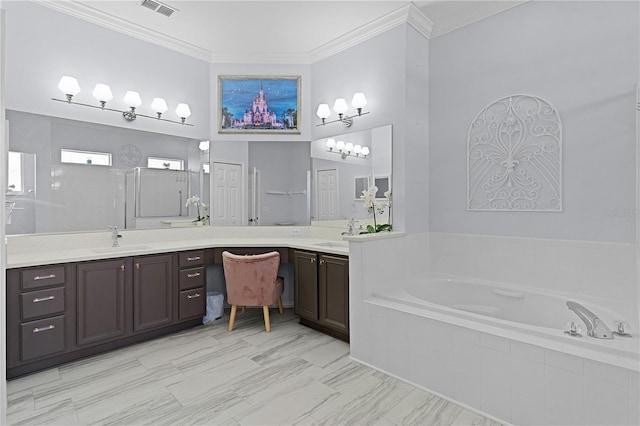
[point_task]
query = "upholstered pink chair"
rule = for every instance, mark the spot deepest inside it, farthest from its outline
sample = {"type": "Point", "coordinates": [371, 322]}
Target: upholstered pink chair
{"type": "Point", "coordinates": [253, 281]}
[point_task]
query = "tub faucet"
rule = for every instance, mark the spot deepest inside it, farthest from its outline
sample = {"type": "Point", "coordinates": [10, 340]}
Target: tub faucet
{"type": "Point", "coordinates": [115, 236]}
{"type": "Point", "coordinates": [595, 326]}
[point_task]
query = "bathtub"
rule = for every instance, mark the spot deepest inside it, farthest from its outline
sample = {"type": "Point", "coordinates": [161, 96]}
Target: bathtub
{"type": "Point", "coordinates": [520, 313]}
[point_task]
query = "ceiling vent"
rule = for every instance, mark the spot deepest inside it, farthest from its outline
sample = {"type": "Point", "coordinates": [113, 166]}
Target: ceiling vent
{"type": "Point", "coordinates": [156, 6]}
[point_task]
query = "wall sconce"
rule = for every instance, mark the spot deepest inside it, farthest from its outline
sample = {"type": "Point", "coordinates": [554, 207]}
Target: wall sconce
{"type": "Point", "coordinates": [347, 150]}
{"type": "Point", "coordinates": [70, 87]}
{"type": "Point", "coordinates": [359, 101]}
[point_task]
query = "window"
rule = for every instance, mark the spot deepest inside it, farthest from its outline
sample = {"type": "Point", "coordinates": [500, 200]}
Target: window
{"type": "Point", "coordinates": [14, 164]}
{"type": "Point", "coordinates": [85, 157]}
{"type": "Point", "coordinates": [165, 163]}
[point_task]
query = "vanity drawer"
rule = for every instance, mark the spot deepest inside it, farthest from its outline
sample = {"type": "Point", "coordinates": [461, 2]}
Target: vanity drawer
{"type": "Point", "coordinates": [42, 302]}
{"type": "Point", "coordinates": [42, 277]}
{"type": "Point", "coordinates": [191, 278]}
{"type": "Point", "coordinates": [42, 337]}
{"type": "Point", "coordinates": [191, 258]}
{"type": "Point", "coordinates": [192, 303]}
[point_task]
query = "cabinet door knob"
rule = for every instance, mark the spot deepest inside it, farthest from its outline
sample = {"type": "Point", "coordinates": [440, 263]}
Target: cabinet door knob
{"type": "Point", "coordinates": [313, 260]}
{"type": "Point", "coordinates": [122, 267]}
{"type": "Point", "coordinates": [137, 265]}
{"type": "Point", "coordinates": [322, 261]}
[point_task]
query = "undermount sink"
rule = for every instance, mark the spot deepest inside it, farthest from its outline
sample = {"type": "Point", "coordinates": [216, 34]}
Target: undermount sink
{"type": "Point", "coordinates": [336, 244]}
{"type": "Point", "coordinates": [120, 249]}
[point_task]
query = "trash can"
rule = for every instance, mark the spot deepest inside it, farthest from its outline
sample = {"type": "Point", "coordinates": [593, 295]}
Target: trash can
{"type": "Point", "coordinates": [215, 306]}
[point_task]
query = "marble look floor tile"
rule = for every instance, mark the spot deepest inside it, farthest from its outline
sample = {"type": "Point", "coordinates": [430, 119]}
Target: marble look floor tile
{"type": "Point", "coordinates": [423, 408]}
{"type": "Point", "coordinates": [61, 413]}
{"type": "Point", "coordinates": [194, 390]}
{"type": "Point", "coordinates": [32, 380]}
{"type": "Point", "coordinates": [209, 376]}
{"type": "Point", "coordinates": [290, 407]}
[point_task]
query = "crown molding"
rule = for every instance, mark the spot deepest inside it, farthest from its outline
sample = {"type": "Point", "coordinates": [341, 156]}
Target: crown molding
{"type": "Point", "coordinates": [407, 14]}
{"type": "Point", "coordinates": [88, 13]}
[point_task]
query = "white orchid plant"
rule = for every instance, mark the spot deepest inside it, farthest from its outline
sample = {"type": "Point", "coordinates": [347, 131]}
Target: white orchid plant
{"type": "Point", "coordinates": [195, 200]}
{"type": "Point", "coordinates": [374, 206]}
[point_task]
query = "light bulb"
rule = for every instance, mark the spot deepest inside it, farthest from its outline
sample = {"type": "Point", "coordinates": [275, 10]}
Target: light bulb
{"type": "Point", "coordinates": [323, 111]}
{"type": "Point", "coordinates": [357, 149]}
{"type": "Point", "coordinates": [340, 145]}
{"type": "Point", "coordinates": [365, 150]}
{"type": "Point", "coordinates": [183, 111]}
{"type": "Point", "coordinates": [340, 106]}
{"type": "Point", "coordinates": [359, 101]}
{"type": "Point", "coordinates": [102, 93]}
{"type": "Point", "coordinates": [132, 99]}
{"type": "Point", "coordinates": [69, 86]}
{"type": "Point", "coordinates": [159, 105]}
{"type": "Point", "coordinates": [331, 143]}
{"type": "Point", "coordinates": [348, 147]}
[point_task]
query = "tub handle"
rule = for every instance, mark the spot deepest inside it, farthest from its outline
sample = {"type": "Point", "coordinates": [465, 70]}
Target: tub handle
{"type": "Point", "coordinates": [506, 293]}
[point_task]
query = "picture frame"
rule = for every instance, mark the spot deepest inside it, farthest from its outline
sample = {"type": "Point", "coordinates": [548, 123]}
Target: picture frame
{"type": "Point", "coordinates": [259, 104]}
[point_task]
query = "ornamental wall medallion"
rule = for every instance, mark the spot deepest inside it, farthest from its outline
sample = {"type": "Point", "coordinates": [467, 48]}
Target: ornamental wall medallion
{"type": "Point", "coordinates": [514, 156]}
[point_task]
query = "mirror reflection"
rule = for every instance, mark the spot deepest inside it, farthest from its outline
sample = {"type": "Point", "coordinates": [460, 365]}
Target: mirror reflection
{"type": "Point", "coordinates": [339, 179]}
{"type": "Point", "coordinates": [68, 175]}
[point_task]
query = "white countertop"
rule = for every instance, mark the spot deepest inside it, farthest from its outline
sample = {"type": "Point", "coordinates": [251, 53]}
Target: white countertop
{"type": "Point", "coordinates": [45, 249]}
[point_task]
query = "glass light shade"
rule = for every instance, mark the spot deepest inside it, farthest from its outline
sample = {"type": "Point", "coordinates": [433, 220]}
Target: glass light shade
{"type": "Point", "coordinates": [340, 145]}
{"type": "Point", "coordinates": [331, 143]}
{"type": "Point", "coordinates": [183, 111]}
{"type": "Point", "coordinates": [323, 111]}
{"type": "Point", "coordinates": [357, 149]}
{"type": "Point", "coordinates": [132, 99]}
{"type": "Point", "coordinates": [340, 106]}
{"type": "Point", "coordinates": [348, 147]}
{"type": "Point", "coordinates": [159, 105]}
{"type": "Point", "coordinates": [204, 146]}
{"type": "Point", "coordinates": [365, 150]}
{"type": "Point", "coordinates": [359, 100]}
{"type": "Point", "coordinates": [102, 92]}
{"type": "Point", "coordinates": [69, 85]}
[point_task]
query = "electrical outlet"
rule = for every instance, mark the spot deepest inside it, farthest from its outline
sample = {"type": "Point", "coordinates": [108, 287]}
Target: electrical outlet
{"type": "Point", "coordinates": [295, 231]}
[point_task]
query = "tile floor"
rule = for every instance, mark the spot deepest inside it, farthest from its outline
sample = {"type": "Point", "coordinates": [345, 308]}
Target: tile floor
{"type": "Point", "coordinates": [208, 376]}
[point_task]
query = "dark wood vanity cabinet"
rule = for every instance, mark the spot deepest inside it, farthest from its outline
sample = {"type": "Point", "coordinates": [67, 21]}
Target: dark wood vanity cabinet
{"type": "Point", "coordinates": [102, 300]}
{"type": "Point", "coordinates": [153, 293]}
{"type": "Point", "coordinates": [40, 313]}
{"type": "Point", "coordinates": [322, 292]}
{"type": "Point", "coordinates": [60, 313]}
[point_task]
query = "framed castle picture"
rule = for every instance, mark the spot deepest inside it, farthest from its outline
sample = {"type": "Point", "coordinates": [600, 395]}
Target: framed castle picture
{"type": "Point", "coordinates": [257, 104]}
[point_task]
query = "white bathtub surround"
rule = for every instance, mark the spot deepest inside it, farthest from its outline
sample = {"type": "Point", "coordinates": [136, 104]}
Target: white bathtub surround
{"type": "Point", "coordinates": [477, 364]}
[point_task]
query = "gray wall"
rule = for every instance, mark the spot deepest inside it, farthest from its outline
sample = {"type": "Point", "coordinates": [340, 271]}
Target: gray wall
{"type": "Point", "coordinates": [392, 70]}
{"type": "Point", "coordinates": [43, 45]}
{"type": "Point", "coordinates": [582, 57]}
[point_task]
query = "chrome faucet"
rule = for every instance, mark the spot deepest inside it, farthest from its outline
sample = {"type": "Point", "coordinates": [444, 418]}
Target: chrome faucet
{"type": "Point", "coordinates": [595, 326]}
{"type": "Point", "coordinates": [115, 236]}
{"type": "Point", "coordinates": [351, 225]}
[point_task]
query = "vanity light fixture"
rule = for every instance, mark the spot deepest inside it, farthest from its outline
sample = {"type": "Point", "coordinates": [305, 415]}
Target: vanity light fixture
{"type": "Point", "coordinates": [204, 146]}
{"type": "Point", "coordinates": [102, 92]}
{"type": "Point", "coordinates": [347, 150]}
{"type": "Point", "coordinates": [359, 101]}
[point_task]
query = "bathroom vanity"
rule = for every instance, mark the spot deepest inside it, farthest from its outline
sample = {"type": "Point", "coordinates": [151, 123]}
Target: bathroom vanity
{"type": "Point", "coordinates": [101, 299]}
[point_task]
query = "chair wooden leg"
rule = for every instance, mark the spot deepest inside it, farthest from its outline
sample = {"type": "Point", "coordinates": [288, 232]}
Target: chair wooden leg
{"type": "Point", "coordinates": [232, 318]}
{"type": "Point", "coordinates": [280, 308]}
{"type": "Point", "coordinates": [267, 323]}
{"type": "Point", "coordinates": [244, 309]}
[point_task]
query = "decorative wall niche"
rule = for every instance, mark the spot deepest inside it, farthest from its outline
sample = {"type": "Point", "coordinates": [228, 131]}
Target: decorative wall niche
{"type": "Point", "coordinates": [514, 156]}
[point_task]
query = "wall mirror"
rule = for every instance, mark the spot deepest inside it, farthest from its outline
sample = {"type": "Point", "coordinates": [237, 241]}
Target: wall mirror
{"type": "Point", "coordinates": [338, 179]}
{"type": "Point", "coordinates": [71, 176]}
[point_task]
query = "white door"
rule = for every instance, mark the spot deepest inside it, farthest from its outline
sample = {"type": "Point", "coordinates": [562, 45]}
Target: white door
{"type": "Point", "coordinates": [327, 182]}
{"type": "Point", "coordinates": [227, 194]}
